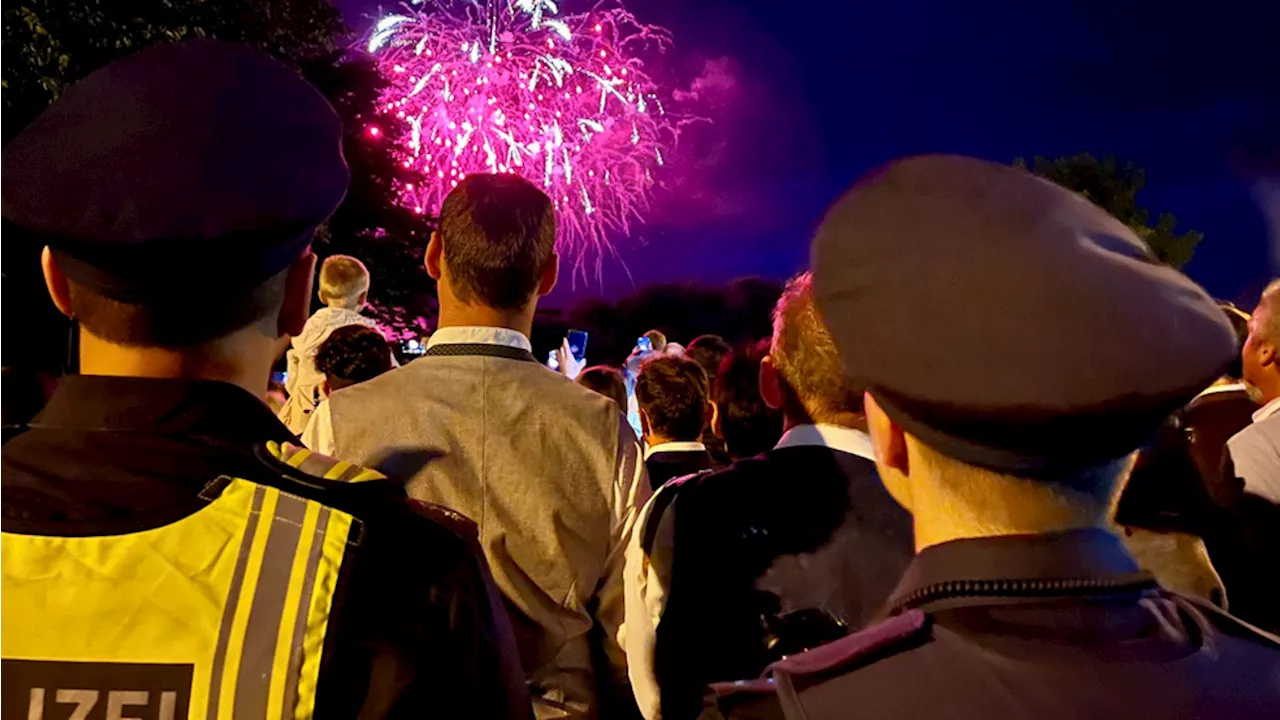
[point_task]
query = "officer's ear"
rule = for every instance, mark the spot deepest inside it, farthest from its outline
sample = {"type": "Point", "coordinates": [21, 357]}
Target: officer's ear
{"type": "Point", "coordinates": [56, 282]}
{"type": "Point", "coordinates": [1267, 354]}
{"type": "Point", "coordinates": [887, 439]}
{"type": "Point", "coordinates": [298, 283]}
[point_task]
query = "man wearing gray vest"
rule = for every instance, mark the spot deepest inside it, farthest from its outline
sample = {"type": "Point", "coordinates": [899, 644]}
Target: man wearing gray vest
{"type": "Point", "coordinates": [547, 469]}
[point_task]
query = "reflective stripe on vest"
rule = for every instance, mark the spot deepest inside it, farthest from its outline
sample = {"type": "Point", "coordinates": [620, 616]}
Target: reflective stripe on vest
{"type": "Point", "coordinates": [221, 614]}
{"type": "Point", "coordinates": [321, 466]}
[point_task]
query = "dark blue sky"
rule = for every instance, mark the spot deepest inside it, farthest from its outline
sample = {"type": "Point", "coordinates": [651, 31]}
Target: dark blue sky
{"type": "Point", "coordinates": [823, 91]}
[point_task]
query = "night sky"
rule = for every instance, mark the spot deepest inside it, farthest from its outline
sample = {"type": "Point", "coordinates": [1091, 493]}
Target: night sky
{"type": "Point", "coordinates": [806, 96]}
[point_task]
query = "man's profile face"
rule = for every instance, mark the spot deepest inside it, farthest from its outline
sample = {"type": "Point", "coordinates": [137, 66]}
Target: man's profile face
{"type": "Point", "coordinates": [1257, 353]}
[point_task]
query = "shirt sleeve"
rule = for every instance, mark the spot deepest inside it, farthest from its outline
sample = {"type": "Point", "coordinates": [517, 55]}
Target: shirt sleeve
{"type": "Point", "coordinates": [647, 579]}
{"type": "Point", "coordinates": [631, 492]}
{"type": "Point", "coordinates": [318, 436]}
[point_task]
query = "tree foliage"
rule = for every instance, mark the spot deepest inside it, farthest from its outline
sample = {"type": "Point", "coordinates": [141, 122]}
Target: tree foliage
{"type": "Point", "coordinates": [1114, 188]}
{"type": "Point", "coordinates": [48, 45]}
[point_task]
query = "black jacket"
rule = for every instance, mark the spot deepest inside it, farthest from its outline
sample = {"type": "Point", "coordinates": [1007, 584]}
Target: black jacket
{"type": "Point", "coordinates": [417, 628]}
{"type": "Point", "coordinates": [1032, 626]}
{"type": "Point", "coordinates": [769, 556]}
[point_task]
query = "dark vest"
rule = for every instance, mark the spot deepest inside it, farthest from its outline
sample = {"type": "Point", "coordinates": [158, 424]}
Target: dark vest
{"type": "Point", "coordinates": [773, 555]}
{"type": "Point", "coordinates": [664, 466]}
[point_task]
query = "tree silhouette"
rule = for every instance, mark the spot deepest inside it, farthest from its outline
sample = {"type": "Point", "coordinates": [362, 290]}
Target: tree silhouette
{"type": "Point", "coordinates": [1114, 188]}
{"type": "Point", "coordinates": [49, 45]}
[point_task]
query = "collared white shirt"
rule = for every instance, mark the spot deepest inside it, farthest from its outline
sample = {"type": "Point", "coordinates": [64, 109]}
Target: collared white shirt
{"type": "Point", "coordinates": [647, 577]}
{"type": "Point", "coordinates": [479, 335]}
{"type": "Point", "coordinates": [836, 437]}
{"type": "Point", "coordinates": [1255, 453]}
{"type": "Point", "coordinates": [1267, 410]}
{"type": "Point", "coordinates": [680, 446]}
{"type": "Point", "coordinates": [318, 435]}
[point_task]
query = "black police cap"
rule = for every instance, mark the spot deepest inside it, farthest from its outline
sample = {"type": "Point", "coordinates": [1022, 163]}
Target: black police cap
{"type": "Point", "coordinates": [191, 166]}
{"type": "Point", "coordinates": [1006, 321]}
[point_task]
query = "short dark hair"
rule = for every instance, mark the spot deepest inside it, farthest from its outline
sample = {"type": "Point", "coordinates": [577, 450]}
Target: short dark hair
{"type": "Point", "coordinates": [193, 319]}
{"type": "Point", "coordinates": [673, 393]}
{"type": "Point", "coordinates": [352, 354]}
{"type": "Point", "coordinates": [608, 382]}
{"type": "Point", "coordinates": [708, 351]}
{"type": "Point", "coordinates": [498, 233]}
{"type": "Point", "coordinates": [748, 426]}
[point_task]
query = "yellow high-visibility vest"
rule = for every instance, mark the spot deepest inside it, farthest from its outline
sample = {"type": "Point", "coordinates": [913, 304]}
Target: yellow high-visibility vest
{"type": "Point", "coordinates": [221, 614]}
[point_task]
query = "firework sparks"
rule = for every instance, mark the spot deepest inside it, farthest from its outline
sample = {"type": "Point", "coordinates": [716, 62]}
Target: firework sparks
{"type": "Point", "coordinates": [515, 86]}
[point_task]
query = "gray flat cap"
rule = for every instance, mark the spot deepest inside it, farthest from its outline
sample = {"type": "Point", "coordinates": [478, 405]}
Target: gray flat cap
{"type": "Point", "coordinates": [1008, 322]}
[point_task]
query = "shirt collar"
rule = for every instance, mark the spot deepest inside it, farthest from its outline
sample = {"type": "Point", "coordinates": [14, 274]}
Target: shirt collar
{"type": "Point", "coordinates": [835, 437]}
{"type": "Point", "coordinates": [163, 406]}
{"type": "Point", "coordinates": [479, 335]}
{"type": "Point", "coordinates": [1267, 410]}
{"type": "Point", "coordinates": [683, 446]}
{"type": "Point", "coordinates": [1074, 554]}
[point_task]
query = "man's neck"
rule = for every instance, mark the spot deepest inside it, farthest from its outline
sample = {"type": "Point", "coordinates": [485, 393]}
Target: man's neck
{"type": "Point", "coordinates": [479, 316]}
{"type": "Point", "coordinates": [853, 421]}
{"type": "Point", "coordinates": [213, 361]}
{"type": "Point", "coordinates": [944, 511]}
{"type": "Point", "coordinates": [654, 440]}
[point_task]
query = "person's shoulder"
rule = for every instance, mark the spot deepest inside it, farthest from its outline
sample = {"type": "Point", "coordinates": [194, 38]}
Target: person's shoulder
{"type": "Point", "coordinates": [741, 478]}
{"type": "Point", "coordinates": [389, 387]}
{"type": "Point", "coordinates": [719, 490]}
{"type": "Point", "coordinates": [1253, 432]}
{"type": "Point", "coordinates": [571, 399]}
{"type": "Point", "coordinates": [377, 504]}
{"type": "Point", "coordinates": [1227, 624]}
{"type": "Point", "coordinates": [838, 661]}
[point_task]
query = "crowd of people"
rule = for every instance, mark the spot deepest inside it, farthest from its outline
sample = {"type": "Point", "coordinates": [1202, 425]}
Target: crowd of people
{"type": "Point", "coordinates": [932, 492]}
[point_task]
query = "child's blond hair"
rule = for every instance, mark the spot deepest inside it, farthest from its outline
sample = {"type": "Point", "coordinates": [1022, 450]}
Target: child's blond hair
{"type": "Point", "coordinates": [343, 282]}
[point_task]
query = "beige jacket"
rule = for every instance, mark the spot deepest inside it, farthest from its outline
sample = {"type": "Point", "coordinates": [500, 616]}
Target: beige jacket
{"type": "Point", "coordinates": [548, 470]}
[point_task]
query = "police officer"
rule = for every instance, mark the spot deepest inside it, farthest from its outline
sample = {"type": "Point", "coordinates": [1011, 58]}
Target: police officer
{"type": "Point", "coordinates": [1018, 344]}
{"type": "Point", "coordinates": [165, 554]}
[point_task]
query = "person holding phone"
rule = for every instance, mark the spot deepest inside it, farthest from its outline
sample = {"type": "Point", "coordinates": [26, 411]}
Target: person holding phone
{"type": "Point", "coordinates": [571, 357]}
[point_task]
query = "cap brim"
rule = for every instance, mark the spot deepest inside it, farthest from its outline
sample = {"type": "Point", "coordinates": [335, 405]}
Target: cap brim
{"type": "Point", "coordinates": [1033, 443]}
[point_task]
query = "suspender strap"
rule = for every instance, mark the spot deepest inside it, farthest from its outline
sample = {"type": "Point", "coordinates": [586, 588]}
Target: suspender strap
{"type": "Point", "coordinates": [481, 349]}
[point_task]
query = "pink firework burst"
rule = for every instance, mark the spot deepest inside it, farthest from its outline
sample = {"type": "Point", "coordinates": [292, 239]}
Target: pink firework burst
{"type": "Point", "coordinates": [515, 86]}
